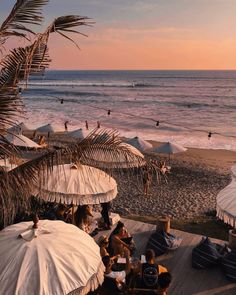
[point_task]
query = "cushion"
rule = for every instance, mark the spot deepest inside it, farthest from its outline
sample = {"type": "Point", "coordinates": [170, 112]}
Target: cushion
{"type": "Point", "coordinates": [160, 242]}
{"type": "Point", "coordinates": [228, 263]}
{"type": "Point", "coordinates": [205, 254]}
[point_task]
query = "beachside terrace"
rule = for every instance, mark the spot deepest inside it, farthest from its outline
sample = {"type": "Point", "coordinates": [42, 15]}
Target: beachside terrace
{"type": "Point", "coordinates": [186, 280]}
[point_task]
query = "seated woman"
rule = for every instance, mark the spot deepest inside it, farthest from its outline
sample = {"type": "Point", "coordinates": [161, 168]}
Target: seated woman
{"type": "Point", "coordinates": [120, 240]}
{"type": "Point", "coordinates": [83, 218]}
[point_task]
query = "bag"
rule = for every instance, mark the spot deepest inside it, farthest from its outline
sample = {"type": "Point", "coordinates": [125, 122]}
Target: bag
{"type": "Point", "coordinates": [205, 254]}
{"type": "Point", "coordinates": [150, 275]}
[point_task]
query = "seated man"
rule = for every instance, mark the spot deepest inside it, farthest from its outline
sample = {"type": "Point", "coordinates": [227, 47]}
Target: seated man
{"type": "Point", "coordinates": [150, 271]}
{"type": "Point", "coordinates": [164, 280]}
{"type": "Point", "coordinates": [118, 276]}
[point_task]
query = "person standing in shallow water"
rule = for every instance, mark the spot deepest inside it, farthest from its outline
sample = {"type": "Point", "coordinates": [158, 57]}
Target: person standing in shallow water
{"type": "Point", "coordinates": [66, 125]}
{"type": "Point", "coordinates": [86, 125]}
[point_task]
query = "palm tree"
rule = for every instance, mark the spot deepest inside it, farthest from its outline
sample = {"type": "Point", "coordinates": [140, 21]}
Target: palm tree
{"type": "Point", "coordinates": [16, 67]}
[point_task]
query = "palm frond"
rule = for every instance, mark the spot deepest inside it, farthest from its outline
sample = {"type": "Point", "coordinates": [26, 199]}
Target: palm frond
{"type": "Point", "coordinates": [66, 24]}
{"type": "Point", "coordinates": [23, 12]}
{"type": "Point", "coordinates": [25, 177]}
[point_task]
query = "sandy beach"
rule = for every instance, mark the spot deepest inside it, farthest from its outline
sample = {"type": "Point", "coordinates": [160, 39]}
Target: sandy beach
{"type": "Point", "coordinates": [196, 177]}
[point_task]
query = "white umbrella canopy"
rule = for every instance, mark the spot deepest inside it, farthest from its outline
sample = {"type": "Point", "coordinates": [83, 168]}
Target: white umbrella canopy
{"type": "Point", "coordinates": [169, 148]}
{"type": "Point", "coordinates": [78, 185]}
{"type": "Point", "coordinates": [7, 165]}
{"type": "Point", "coordinates": [108, 159]}
{"type": "Point", "coordinates": [22, 141]}
{"type": "Point", "coordinates": [48, 128]}
{"type": "Point", "coordinates": [78, 133]}
{"type": "Point", "coordinates": [139, 143]}
{"type": "Point", "coordinates": [17, 129]}
{"type": "Point", "coordinates": [54, 259]}
{"type": "Point", "coordinates": [226, 201]}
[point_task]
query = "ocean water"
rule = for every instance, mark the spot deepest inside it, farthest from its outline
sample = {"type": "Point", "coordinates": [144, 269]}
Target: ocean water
{"type": "Point", "coordinates": [187, 104]}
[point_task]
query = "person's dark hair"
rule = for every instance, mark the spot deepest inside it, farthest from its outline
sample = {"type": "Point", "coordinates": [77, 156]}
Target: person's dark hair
{"type": "Point", "coordinates": [61, 207]}
{"type": "Point", "coordinates": [118, 227]}
{"type": "Point", "coordinates": [106, 260]}
{"type": "Point", "coordinates": [150, 254]}
{"type": "Point", "coordinates": [164, 280]}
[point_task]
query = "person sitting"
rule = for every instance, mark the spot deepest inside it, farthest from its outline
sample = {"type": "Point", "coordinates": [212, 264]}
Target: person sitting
{"type": "Point", "coordinates": [150, 271]}
{"type": "Point", "coordinates": [164, 280]}
{"type": "Point", "coordinates": [58, 213]}
{"type": "Point", "coordinates": [103, 243]}
{"type": "Point", "coordinates": [118, 276]}
{"type": "Point", "coordinates": [84, 218]}
{"type": "Point", "coordinates": [120, 240]}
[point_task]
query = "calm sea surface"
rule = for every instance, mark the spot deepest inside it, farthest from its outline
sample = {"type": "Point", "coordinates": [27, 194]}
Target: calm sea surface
{"type": "Point", "coordinates": [188, 104]}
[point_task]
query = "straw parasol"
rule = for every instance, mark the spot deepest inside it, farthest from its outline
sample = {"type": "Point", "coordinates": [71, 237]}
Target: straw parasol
{"type": "Point", "coordinates": [52, 258]}
{"type": "Point", "coordinates": [77, 185]}
{"type": "Point", "coordinates": [139, 143]}
{"type": "Point", "coordinates": [226, 201]}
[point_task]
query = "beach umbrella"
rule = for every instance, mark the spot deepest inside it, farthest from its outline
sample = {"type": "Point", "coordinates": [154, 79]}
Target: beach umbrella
{"type": "Point", "coordinates": [46, 128]}
{"type": "Point", "coordinates": [22, 141]}
{"type": "Point", "coordinates": [78, 133]}
{"type": "Point", "coordinates": [139, 143]}
{"type": "Point", "coordinates": [77, 185]}
{"type": "Point", "coordinates": [169, 148]}
{"type": "Point", "coordinates": [7, 165]}
{"type": "Point", "coordinates": [17, 129]}
{"type": "Point", "coordinates": [226, 201]}
{"type": "Point", "coordinates": [107, 159]}
{"type": "Point", "coordinates": [53, 259]}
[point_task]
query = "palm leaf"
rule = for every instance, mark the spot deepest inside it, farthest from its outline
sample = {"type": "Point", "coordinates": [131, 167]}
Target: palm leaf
{"type": "Point", "coordinates": [25, 177]}
{"type": "Point", "coordinates": [23, 12]}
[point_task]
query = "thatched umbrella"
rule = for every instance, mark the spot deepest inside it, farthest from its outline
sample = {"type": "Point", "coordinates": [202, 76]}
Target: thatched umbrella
{"type": "Point", "coordinates": [52, 258]}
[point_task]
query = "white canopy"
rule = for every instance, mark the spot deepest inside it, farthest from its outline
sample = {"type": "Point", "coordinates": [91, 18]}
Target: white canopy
{"type": "Point", "coordinates": [109, 159]}
{"type": "Point", "coordinates": [226, 201]}
{"type": "Point", "coordinates": [21, 140]}
{"type": "Point", "coordinates": [139, 143]}
{"type": "Point", "coordinates": [79, 185]}
{"type": "Point", "coordinates": [169, 148]}
{"type": "Point", "coordinates": [17, 129]}
{"type": "Point", "coordinates": [55, 259]}
{"type": "Point", "coordinates": [46, 128]}
{"type": "Point", "coordinates": [7, 165]}
{"type": "Point", "coordinates": [78, 133]}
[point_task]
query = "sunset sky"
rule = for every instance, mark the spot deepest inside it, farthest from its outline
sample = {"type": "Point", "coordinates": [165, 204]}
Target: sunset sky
{"type": "Point", "coordinates": [145, 34]}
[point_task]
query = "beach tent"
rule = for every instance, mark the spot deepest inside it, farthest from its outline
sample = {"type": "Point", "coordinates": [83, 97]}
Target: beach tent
{"type": "Point", "coordinates": [77, 185]}
{"type": "Point", "coordinates": [22, 141]}
{"type": "Point", "coordinates": [18, 129]}
{"type": "Point", "coordinates": [139, 143]}
{"type": "Point", "coordinates": [226, 201]}
{"type": "Point", "coordinates": [54, 259]}
{"type": "Point", "coordinates": [106, 159]}
{"type": "Point", "coordinates": [78, 133]}
{"type": "Point", "coordinates": [169, 148]}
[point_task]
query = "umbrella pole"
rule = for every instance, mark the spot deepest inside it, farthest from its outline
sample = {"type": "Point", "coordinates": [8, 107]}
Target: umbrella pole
{"type": "Point", "coordinates": [73, 214]}
{"type": "Point", "coordinates": [169, 159]}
